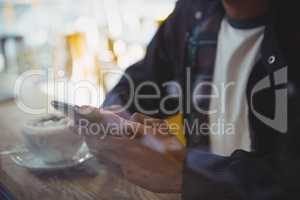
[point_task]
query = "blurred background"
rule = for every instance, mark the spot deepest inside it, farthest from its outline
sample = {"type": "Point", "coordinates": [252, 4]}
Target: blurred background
{"type": "Point", "coordinates": [74, 41]}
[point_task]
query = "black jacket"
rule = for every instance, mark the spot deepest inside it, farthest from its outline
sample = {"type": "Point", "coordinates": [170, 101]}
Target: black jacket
{"type": "Point", "coordinates": [186, 42]}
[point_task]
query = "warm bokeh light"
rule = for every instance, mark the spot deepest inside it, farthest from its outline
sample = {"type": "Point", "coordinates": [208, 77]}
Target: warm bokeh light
{"type": "Point", "coordinates": [81, 39]}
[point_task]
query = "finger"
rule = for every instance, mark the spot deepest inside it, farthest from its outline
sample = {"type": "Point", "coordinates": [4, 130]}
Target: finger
{"type": "Point", "coordinates": [86, 113]}
{"type": "Point", "coordinates": [153, 125]}
{"type": "Point", "coordinates": [149, 121]}
{"type": "Point", "coordinates": [113, 108]}
{"type": "Point", "coordinates": [97, 115]}
{"type": "Point", "coordinates": [144, 119]}
{"type": "Point", "coordinates": [118, 110]}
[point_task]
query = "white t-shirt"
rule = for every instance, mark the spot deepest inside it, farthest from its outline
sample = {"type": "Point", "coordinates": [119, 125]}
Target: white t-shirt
{"type": "Point", "coordinates": [237, 52]}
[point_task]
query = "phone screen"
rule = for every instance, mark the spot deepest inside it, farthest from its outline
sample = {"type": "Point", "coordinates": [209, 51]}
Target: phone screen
{"type": "Point", "coordinates": [67, 109]}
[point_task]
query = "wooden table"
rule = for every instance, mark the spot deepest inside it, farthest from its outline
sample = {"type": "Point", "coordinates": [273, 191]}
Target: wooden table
{"type": "Point", "coordinates": [91, 181]}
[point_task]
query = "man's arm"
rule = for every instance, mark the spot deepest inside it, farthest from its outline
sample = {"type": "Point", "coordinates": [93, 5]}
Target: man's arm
{"type": "Point", "coordinates": [244, 175]}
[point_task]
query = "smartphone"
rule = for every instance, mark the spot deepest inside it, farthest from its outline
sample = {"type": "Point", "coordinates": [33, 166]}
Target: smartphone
{"type": "Point", "coordinates": [67, 109]}
{"type": "Point", "coordinates": [73, 111]}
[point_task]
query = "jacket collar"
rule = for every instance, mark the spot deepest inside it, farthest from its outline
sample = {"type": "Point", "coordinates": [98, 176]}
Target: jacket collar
{"type": "Point", "coordinates": [272, 56]}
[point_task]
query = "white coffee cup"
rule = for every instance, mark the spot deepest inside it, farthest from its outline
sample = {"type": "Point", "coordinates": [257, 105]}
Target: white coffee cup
{"type": "Point", "coordinates": [52, 139]}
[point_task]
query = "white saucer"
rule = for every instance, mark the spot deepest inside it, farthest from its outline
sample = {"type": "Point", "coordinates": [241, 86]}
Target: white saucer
{"type": "Point", "coordinates": [30, 161]}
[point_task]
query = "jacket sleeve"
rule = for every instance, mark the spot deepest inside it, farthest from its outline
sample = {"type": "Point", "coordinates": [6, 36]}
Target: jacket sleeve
{"type": "Point", "coordinates": [247, 175]}
{"type": "Point", "coordinates": [157, 67]}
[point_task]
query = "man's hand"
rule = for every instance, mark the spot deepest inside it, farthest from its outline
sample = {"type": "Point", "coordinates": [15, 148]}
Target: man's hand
{"type": "Point", "coordinates": [148, 154]}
